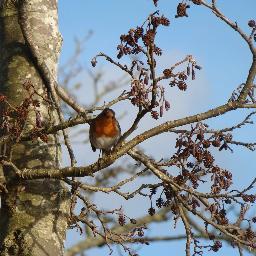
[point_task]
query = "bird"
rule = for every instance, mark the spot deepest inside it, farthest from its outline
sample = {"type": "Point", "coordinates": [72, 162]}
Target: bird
{"type": "Point", "coordinates": [104, 131]}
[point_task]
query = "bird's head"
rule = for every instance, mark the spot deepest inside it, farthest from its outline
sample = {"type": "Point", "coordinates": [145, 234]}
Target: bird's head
{"type": "Point", "coordinates": [108, 113]}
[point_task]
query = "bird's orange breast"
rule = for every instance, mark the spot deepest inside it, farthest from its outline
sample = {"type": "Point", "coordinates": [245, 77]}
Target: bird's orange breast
{"type": "Point", "coordinates": [105, 127]}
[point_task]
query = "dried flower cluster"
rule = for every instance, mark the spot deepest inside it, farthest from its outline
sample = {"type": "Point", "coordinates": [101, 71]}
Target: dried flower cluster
{"type": "Point", "coordinates": [90, 212]}
{"type": "Point", "coordinates": [13, 119]}
{"type": "Point", "coordinates": [145, 83]}
{"type": "Point", "coordinates": [130, 42]}
{"type": "Point", "coordinates": [182, 10]}
{"type": "Point", "coordinates": [179, 79]}
{"type": "Point", "coordinates": [146, 91]}
{"type": "Point", "coordinates": [194, 159]}
{"type": "Point", "coordinates": [155, 2]}
{"type": "Point", "coordinates": [252, 25]}
{"type": "Point", "coordinates": [197, 2]}
{"type": "Point", "coordinates": [183, 6]}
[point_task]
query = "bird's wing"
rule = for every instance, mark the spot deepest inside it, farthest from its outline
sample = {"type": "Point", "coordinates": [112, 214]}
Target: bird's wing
{"type": "Point", "coordinates": [91, 137]}
{"type": "Point", "coordinates": [118, 127]}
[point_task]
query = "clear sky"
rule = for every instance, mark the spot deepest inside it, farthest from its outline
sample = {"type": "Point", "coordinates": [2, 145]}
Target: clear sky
{"type": "Point", "coordinates": [224, 56]}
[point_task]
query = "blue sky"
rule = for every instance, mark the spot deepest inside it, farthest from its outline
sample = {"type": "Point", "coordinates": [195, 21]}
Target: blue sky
{"type": "Point", "coordinates": [224, 56]}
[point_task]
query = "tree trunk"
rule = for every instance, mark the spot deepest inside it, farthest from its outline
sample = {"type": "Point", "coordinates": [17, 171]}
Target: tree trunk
{"type": "Point", "coordinates": [34, 214]}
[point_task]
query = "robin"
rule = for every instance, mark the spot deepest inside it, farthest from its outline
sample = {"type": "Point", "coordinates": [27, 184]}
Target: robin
{"type": "Point", "coordinates": [104, 131]}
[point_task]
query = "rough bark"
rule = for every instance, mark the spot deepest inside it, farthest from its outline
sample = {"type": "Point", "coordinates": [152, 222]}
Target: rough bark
{"type": "Point", "coordinates": [33, 216]}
